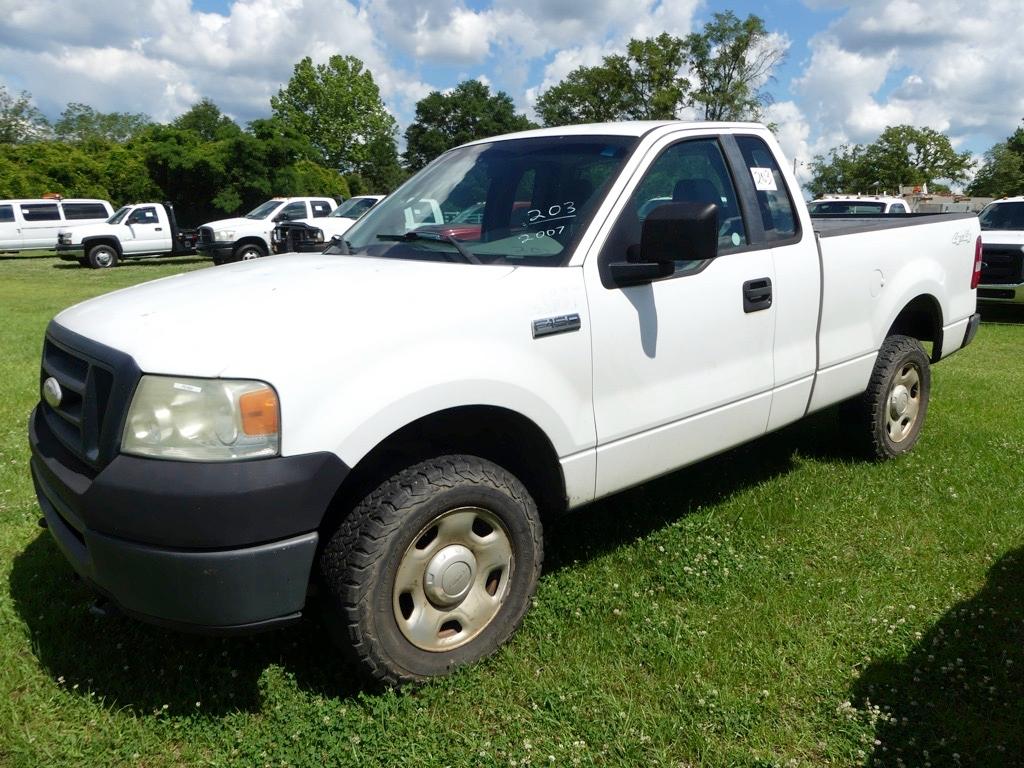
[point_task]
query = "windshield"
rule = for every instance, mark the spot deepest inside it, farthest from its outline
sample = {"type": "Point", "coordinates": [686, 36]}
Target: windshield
{"type": "Point", "coordinates": [519, 201]}
{"type": "Point", "coordinates": [263, 211]}
{"type": "Point", "coordinates": [847, 207]}
{"type": "Point", "coordinates": [1003, 216]}
{"type": "Point", "coordinates": [354, 208]}
{"type": "Point", "coordinates": [119, 215]}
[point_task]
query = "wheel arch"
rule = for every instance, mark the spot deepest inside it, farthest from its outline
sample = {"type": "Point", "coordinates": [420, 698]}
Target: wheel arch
{"type": "Point", "coordinates": [89, 243]}
{"type": "Point", "coordinates": [251, 240]}
{"type": "Point", "coordinates": [920, 318]}
{"type": "Point", "coordinates": [498, 434]}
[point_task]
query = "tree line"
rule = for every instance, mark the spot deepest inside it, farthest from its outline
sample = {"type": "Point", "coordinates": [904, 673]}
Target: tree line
{"type": "Point", "coordinates": [329, 131]}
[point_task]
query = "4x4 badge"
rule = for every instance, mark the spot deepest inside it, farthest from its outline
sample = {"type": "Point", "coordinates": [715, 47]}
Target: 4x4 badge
{"type": "Point", "coordinates": [52, 393]}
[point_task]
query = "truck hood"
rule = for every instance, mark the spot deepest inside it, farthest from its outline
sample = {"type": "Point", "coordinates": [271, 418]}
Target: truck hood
{"type": "Point", "coordinates": [81, 231]}
{"type": "Point", "coordinates": [1002, 236]}
{"type": "Point", "coordinates": [251, 318]}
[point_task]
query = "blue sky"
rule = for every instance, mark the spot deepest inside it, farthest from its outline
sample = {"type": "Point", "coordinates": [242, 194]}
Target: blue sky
{"type": "Point", "coordinates": [851, 68]}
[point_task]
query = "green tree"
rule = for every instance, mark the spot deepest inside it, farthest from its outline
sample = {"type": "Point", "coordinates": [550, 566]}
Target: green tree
{"type": "Point", "coordinates": [337, 106]}
{"type": "Point", "coordinates": [205, 119]}
{"type": "Point", "coordinates": [20, 120]}
{"type": "Point", "coordinates": [80, 123]}
{"type": "Point", "coordinates": [1002, 173]}
{"type": "Point", "coordinates": [730, 61]}
{"type": "Point", "coordinates": [901, 155]}
{"type": "Point", "coordinates": [466, 113]}
{"type": "Point", "coordinates": [645, 84]}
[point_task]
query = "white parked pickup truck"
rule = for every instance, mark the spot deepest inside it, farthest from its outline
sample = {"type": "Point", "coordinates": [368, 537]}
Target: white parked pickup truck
{"type": "Point", "coordinates": [139, 231]}
{"type": "Point", "coordinates": [1002, 264]}
{"type": "Point", "coordinates": [313, 235]}
{"type": "Point", "coordinates": [400, 414]}
{"type": "Point", "coordinates": [248, 237]}
{"type": "Point", "coordinates": [847, 205]}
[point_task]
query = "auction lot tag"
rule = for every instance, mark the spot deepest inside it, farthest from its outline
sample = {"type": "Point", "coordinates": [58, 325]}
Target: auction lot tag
{"type": "Point", "coordinates": [764, 179]}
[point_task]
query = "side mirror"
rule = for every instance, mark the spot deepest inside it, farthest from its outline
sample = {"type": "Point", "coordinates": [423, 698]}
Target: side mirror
{"type": "Point", "coordinates": [671, 232]}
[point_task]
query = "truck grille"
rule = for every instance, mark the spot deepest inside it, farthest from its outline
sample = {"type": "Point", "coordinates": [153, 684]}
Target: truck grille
{"type": "Point", "coordinates": [205, 235]}
{"type": "Point", "coordinates": [1002, 265]}
{"type": "Point", "coordinates": [96, 384]}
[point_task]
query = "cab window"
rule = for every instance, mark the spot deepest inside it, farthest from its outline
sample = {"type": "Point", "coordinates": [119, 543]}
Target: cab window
{"type": "Point", "coordinates": [320, 208]}
{"type": "Point", "coordinates": [691, 171]}
{"type": "Point", "coordinates": [40, 212]}
{"type": "Point", "coordinates": [143, 216]}
{"type": "Point", "coordinates": [293, 211]}
{"type": "Point", "coordinates": [6, 213]}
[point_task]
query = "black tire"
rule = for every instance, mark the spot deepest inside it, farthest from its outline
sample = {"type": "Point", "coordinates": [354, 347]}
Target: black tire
{"type": "Point", "coordinates": [248, 252]}
{"type": "Point", "coordinates": [386, 531]}
{"type": "Point", "coordinates": [891, 412]}
{"type": "Point", "coordinates": [102, 256]}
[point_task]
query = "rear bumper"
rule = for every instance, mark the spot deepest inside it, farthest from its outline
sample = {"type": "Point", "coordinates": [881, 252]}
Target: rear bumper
{"type": "Point", "coordinates": [201, 547]}
{"type": "Point", "coordinates": [1001, 293]}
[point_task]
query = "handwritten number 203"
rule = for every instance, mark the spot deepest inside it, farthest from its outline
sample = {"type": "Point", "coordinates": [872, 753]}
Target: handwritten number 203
{"type": "Point", "coordinates": [556, 211]}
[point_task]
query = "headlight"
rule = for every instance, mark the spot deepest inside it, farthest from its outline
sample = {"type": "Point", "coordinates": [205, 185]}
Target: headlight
{"type": "Point", "coordinates": [173, 417]}
{"type": "Point", "coordinates": [224, 234]}
{"type": "Point", "coordinates": [64, 238]}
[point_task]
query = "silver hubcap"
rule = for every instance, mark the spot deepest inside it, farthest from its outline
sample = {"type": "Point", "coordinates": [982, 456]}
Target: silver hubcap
{"type": "Point", "coordinates": [904, 403]}
{"type": "Point", "coordinates": [104, 257]}
{"type": "Point", "coordinates": [452, 579]}
{"type": "Point", "coordinates": [250, 254]}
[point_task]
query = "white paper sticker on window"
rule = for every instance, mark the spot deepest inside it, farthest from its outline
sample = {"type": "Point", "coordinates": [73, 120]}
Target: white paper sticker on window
{"type": "Point", "coordinates": [764, 179]}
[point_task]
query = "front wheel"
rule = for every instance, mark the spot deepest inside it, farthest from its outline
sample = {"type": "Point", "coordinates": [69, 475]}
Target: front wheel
{"type": "Point", "coordinates": [434, 569]}
{"type": "Point", "coordinates": [248, 252]}
{"type": "Point", "coordinates": [893, 408]}
{"type": "Point", "coordinates": [102, 257]}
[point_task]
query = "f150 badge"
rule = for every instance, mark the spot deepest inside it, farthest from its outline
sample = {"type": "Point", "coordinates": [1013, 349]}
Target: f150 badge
{"type": "Point", "coordinates": [961, 237]}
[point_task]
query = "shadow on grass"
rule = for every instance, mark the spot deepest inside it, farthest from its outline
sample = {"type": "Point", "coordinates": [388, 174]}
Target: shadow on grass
{"type": "Point", "coordinates": [958, 696]}
{"type": "Point", "coordinates": [1011, 314]}
{"type": "Point", "coordinates": [130, 664]}
{"type": "Point", "coordinates": [132, 263]}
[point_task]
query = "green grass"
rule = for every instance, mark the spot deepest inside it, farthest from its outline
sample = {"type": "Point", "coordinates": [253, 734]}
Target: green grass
{"type": "Point", "coordinates": [783, 604]}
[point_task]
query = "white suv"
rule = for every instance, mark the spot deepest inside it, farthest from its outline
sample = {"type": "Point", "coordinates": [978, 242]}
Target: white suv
{"type": "Point", "coordinates": [33, 224]}
{"type": "Point", "coordinates": [853, 204]}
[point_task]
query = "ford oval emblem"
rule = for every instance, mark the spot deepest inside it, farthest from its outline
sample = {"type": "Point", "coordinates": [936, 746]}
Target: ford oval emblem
{"type": "Point", "coordinates": [52, 393]}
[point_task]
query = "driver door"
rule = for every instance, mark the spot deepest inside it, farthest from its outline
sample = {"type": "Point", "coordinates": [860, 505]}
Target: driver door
{"type": "Point", "coordinates": [683, 366]}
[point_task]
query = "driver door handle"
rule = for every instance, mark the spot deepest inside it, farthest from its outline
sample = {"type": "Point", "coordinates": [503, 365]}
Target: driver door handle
{"type": "Point", "coordinates": [757, 294]}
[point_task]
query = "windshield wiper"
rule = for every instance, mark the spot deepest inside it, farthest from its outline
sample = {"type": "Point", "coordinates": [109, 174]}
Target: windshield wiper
{"type": "Point", "coordinates": [439, 237]}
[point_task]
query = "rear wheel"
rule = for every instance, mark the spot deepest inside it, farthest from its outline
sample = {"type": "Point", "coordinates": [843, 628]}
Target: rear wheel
{"type": "Point", "coordinates": [102, 256]}
{"type": "Point", "coordinates": [434, 569]}
{"type": "Point", "coordinates": [892, 409]}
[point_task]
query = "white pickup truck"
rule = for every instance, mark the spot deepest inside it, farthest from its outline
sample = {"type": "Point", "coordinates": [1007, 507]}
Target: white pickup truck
{"type": "Point", "coordinates": [249, 237]}
{"type": "Point", "coordinates": [313, 235]}
{"type": "Point", "coordinates": [1002, 265]}
{"type": "Point", "coordinates": [398, 417]}
{"type": "Point", "coordinates": [138, 231]}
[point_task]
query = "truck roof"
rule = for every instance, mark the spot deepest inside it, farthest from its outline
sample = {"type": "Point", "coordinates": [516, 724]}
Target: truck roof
{"type": "Point", "coordinates": [624, 128]}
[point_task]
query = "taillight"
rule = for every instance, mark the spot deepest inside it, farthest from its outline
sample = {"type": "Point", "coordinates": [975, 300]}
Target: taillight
{"type": "Point", "coordinates": [976, 274]}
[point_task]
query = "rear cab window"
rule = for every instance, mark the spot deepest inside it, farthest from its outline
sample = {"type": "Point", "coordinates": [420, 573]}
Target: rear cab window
{"type": "Point", "coordinates": [773, 199]}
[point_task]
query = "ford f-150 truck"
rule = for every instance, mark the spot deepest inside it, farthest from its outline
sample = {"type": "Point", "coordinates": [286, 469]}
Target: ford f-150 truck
{"type": "Point", "coordinates": [139, 231]}
{"type": "Point", "coordinates": [1002, 261]}
{"type": "Point", "coordinates": [404, 410]}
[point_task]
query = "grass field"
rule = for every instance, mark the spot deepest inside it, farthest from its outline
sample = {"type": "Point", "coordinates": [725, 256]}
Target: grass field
{"type": "Point", "coordinates": [783, 604]}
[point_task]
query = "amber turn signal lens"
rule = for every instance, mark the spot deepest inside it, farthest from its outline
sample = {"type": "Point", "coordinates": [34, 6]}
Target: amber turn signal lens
{"type": "Point", "coordinates": [259, 412]}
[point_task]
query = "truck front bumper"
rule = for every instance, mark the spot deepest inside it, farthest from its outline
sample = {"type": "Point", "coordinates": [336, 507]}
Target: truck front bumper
{"type": "Point", "coordinates": [208, 547]}
{"type": "Point", "coordinates": [219, 252]}
{"type": "Point", "coordinates": [1002, 293]}
{"type": "Point", "coordinates": [70, 252]}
